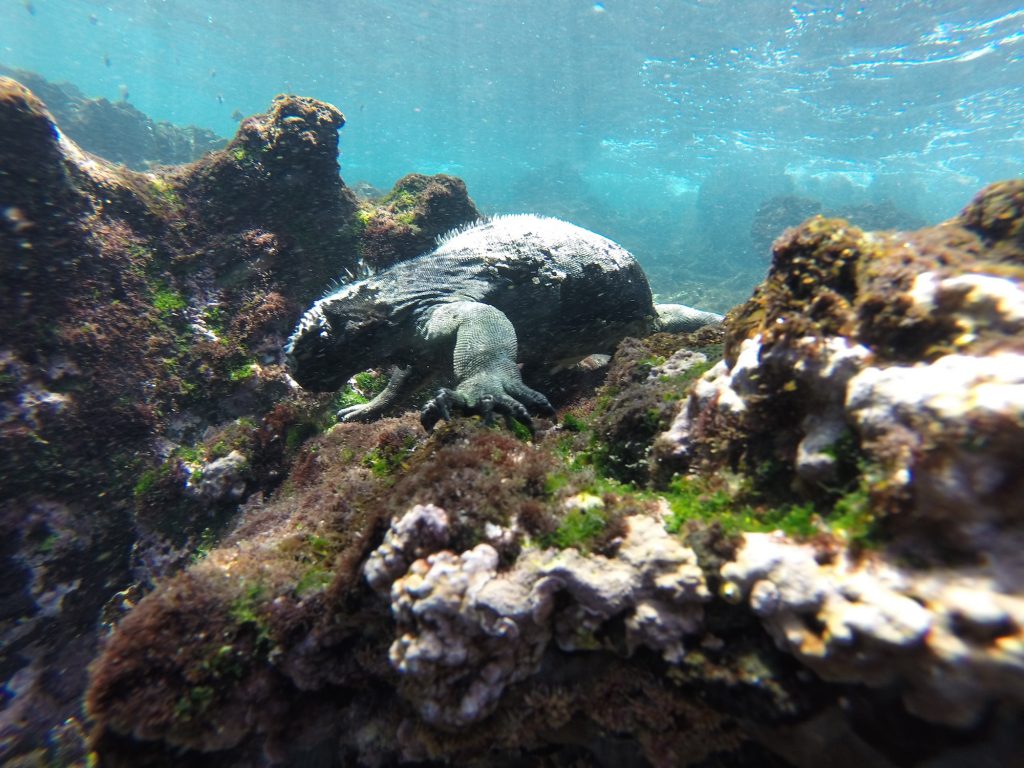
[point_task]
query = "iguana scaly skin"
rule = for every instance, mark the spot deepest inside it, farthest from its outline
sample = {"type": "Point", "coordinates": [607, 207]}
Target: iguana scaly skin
{"type": "Point", "coordinates": [565, 291]}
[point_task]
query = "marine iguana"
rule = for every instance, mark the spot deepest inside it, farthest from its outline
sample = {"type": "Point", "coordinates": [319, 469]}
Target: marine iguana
{"type": "Point", "coordinates": [566, 291]}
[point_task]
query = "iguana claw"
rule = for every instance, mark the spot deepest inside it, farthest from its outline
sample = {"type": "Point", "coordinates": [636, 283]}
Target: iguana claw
{"type": "Point", "coordinates": [449, 401]}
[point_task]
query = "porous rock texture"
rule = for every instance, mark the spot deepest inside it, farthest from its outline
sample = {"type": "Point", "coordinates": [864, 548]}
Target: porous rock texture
{"type": "Point", "coordinates": [465, 631]}
{"type": "Point", "coordinates": [325, 629]}
{"type": "Point", "coordinates": [907, 343]}
{"type": "Point", "coordinates": [891, 364]}
{"type": "Point", "coordinates": [949, 639]}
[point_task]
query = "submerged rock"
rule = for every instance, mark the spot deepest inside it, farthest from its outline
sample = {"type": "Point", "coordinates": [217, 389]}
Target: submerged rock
{"type": "Point", "coordinates": [412, 216]}
{"type": "Point", "coordinates": [899, 352]}
{"type": "Point", "coordinates": [448, 633]}
{"type": "Point", "coordinates": [882, 375]}
{"type": "Point", "coordinates": [117, 131]}
{"type": "Point", "coordinates": [144, 316]}
{"type": "Point", "coordinates": [951, 640]}
{"type": "Point", "coordinates": [465, 631]}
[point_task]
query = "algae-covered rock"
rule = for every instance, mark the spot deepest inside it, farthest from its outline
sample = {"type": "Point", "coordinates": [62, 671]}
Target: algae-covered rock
{"type": "Point", "coordinates": [225, 653]}
{"type": "Point", "coordinates": [898, 353]}
{"type": "Point", "coordinates": [408, 220]}
{"type": "Point", "coordinates": [641, 394]}
{"type": "Point", "coordinates": [350, 614]}
{"type": "Point", "coordinates": [141, 388]}
{"type": "Point", "coordinates": [117, 131]}
{"type": "Point", "coordinates": [879, 376]}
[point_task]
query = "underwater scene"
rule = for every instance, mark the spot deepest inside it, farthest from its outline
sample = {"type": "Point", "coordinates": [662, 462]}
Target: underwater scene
{"type": "Point", "coordinates": [511, 383]}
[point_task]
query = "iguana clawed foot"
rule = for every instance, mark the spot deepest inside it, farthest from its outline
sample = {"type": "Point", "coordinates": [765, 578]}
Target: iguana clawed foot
{"type": "Point", "coordinates": [449, 401]}
{"type": "Point", "coordinates": [354, 413]}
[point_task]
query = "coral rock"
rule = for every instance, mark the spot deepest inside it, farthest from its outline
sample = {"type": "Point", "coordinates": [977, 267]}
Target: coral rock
{"type": "Point", "coordinates": [903, 347]}
{"type": "Point", "coordinates": [423, 529]}
{"type": "Point", "coordinates": [224, 479]}
{"type": "Point", "coordinates": [952, 641]}
{"type": "Point", "coordinates": [465, 631]}
{"type": "Point", "coordinates": [883, 373]}
{"type": "Point", "coordinates": [418, 210]}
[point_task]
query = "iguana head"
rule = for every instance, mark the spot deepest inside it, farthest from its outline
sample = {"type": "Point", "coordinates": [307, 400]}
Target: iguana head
{"type": "Point", "coordinates": [339, 336]}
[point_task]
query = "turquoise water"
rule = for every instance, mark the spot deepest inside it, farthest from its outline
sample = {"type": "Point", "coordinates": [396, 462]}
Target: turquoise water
{"type": "Point", "coordinates": [663, 125]}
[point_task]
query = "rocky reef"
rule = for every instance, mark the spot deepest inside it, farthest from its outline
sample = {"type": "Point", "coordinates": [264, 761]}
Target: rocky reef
{"type": "Point", "coordinates": [792, 536]}
{"type": "Point", "coordinates": [142, 396]}
{"type": "Point", "coordinates": [117, 131]}
{"type": "Point", "coordinates": [747, 544]}
{"type": "Point", "coordinates": [780, 212]}
{"type": "Point", "coordinates": [880, 375]}
{"type": "Point", "coordinates": [408, 220]}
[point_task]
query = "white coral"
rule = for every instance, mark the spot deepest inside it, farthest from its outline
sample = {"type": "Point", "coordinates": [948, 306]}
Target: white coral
{"type": "Point", "coordinates": [976, 301]}
{"type": "Point", "coordinates": [423, 529]}
{"type": "Point", "coordinates": [952, 639]}
{"type": "Point", "coordinates": [931, 408]}
{"type": "Point", "coordinates": [821, 368]}
{"type": "Point", "coordinates": [952, 387]}
{"type": "Point", "coordinates": [465, 631]}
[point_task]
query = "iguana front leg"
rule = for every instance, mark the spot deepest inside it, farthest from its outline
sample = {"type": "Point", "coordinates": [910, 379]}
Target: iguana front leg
{"type": "Point", "coordinates": [484, 362]}
{"type": "Point", "coordinates": [399, 377]}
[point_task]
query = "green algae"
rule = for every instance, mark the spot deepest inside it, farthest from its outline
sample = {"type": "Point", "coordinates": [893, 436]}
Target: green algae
{"type": "Point", "coordinates": [315, 579]}
{"type": "Point", "coordinates": [245, 610]}
{"type": "Point", "coordinates": [855, 513]}
{"type": "Point", "coordinates": [164, 189]}
{"type": "Point", "coordinates": [164, 197]}
{"type": "Point", "coordinates": [244, 371]}
{"type": "Point", "coordinates": [370, 383]}
{"type": "Point", "coordinates": [389, 457]}
{"type": "Point", "coordinates": [736, 504]}
{"type": "Point", "coordinates": [190, 454]}
{"type": "Point", "coordinates": [195, 703]}
{"type": "Point", "coordinates": [520, 430]}
{"type": "Point", "coordinates": [297, 434]}
{"type": "Point", "coordinates": [206, 544]}
{"type": "Point", "coordinates": [319, 545]}
{"type": "Point", "coordinates": [691, 500]}
{"type": "Point", "coordinates": [579, 529]}
{"type": "Point", "coordinates": [150, 480]}
{"type": "Point", "coordinates": [47, 545]}
{"type": "Point", "coordinates": [215, 318]}
{"type": "Point", "coordinates": [363, 388]}
{"type": "Point", "coordinates": [400, 200]}
{"type": "Point", "coordinates": [573, 423]}
{"type": "Point", "coordinates": [316, 554]}
{"type": "Point", "coordinates": [167, 301]}
{"type": "Point", "coordinates": [348, 397]}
